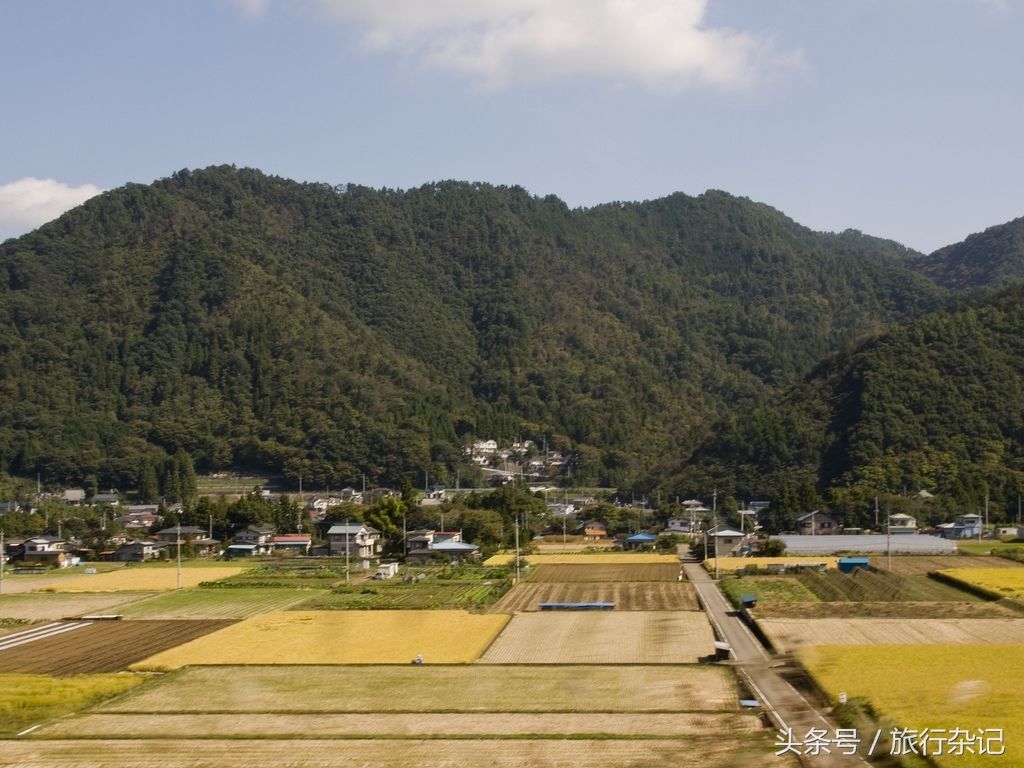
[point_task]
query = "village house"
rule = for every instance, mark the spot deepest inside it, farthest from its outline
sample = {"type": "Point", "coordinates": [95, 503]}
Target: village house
{"type": "Point", "coordinates": [294, 543]}
{"type": "Point", "coordinates": [967, 526]}
{"type": "Point", "coordinates": [74, 497]}
{"type": "Point", "coordinates": [141, 551]}
{"type": "Point", "coordinates": [255, 536]}
{"type": "Point", "coordinates": [728, 543]}
{"type": "Point", "coordinates": [48, 551]}
{"type": "Point", "coordinates": [902, 524]}
{"type": "Point", "coordinates": [817, 523]}
{"type": "Point", "coordinates": [355, 540]}
{"type": "Point", "coordinates": [422, 544]}
{"type": "Point", "coordinates": [594, 530]}
{"type": "Point", "coordinates": [677, 525]}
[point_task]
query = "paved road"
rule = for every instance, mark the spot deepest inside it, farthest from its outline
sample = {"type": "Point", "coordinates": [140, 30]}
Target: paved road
{"type": "Point", "coordinates": [787, 707]}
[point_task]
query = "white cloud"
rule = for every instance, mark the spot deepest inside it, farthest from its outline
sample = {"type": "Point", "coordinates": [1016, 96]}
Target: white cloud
{"type": "Point", "coordinates": [663, 43]}
{"type": "Point", "coordinates": [29, 202]}
{"type": "Point", "coordinates": [252, 8]}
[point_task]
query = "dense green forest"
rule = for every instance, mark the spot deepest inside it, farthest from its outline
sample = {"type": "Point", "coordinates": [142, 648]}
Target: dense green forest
{"type": "Point", "coordinates": [245, 320]}
{"type": "Point", "coordinates": [992, 258]}
{"type": "Point", "coordinates": [937, 404]}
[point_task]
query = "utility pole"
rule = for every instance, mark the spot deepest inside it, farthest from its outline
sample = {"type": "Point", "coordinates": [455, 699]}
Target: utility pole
{"type": "Point", "coordinates": [517, 547]}
{"type": "Point", "coordinates": [177, 575]}
{"type": "Point", "coordinates": [3, 559]}
{"type": "Point", "coordinates": [888, 539]}
{"type": "Point", "coordinates": [346, 551]}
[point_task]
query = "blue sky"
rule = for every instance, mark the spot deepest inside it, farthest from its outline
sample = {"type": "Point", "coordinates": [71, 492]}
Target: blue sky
{"type": "Point", "coordinates": [900, 118]}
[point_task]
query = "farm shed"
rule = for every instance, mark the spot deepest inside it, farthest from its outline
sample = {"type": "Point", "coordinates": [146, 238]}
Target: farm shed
{"type": "Point", "coordinates": [641, 540]}
{"type": "Point", "coordinates": [851, 564]}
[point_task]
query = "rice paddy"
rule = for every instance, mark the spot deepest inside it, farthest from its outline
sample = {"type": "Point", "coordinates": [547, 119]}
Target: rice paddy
{"type": "Point", "coordinates": [998, 582]}
{"type": "Point", "coordinates": [968, 687]}
{"type": "Point", "coordinates": [340, 637]}
{"type": "Point", "coordinates": [145, 579]}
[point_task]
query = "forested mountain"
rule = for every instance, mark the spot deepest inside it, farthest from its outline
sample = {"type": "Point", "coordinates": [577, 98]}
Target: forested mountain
{"type": "Point", "coordinates": [988, 259]}
{"type": "Point", "coordinates": [937, 404]}
{"type": "Point", "coordinates": [254, 321]}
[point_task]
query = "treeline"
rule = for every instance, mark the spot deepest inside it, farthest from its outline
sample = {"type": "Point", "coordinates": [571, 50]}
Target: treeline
{"type": "Point", "coordinates": [251, 321]}
{"type": "Point", "coordinates": [935, 405]}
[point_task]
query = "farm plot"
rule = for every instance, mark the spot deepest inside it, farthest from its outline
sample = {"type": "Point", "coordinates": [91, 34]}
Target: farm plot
{"type": "Point", "coordinates": [404, 725]}
{"type": "Point", "coordinates": [597, 558]}
{"type": "Point", "coordinates": [979, 609]}
{"type": "Point", "coordinates": [340, 637]}
{"type": "Point", "coordinates": [603, 637]}
{"type": "Point", "coordinates": [145, 579]}
{"type": "Point", "coordinates": [652, 596]}
{"type": "Point", "coordinates": [29, 699]}
{"type": "Point", "coordinates": [715, 752]}
{"type": "Point", "coordinates": [46, 606]}
{"type": "Point", "coordinates": [474, 688]}
{"type": "Point", "coordinates": [909, 565]}
{"type": "Point", "coordinates": [791, 634]}
{"type": "Point", "coordinates": [732, 564]}
{"type": "Point", "coordinates": [879, 586]}
{"type": "Point", "coordinates": [998, 582]}
{"type": "Point", "coordinates": [215, 603]}
{"type": "Point", "coordinates": [970, 687]}
{"type": "Point", "coordinates": [567, 573]}
{"type": "Point", "coordinates": [100, 646]}
{"type": "Point", "coordinates": [429, 594]}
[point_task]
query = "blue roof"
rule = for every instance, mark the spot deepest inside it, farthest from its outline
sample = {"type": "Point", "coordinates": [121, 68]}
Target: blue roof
{"type": "Point", "coordinates": [642, 537]}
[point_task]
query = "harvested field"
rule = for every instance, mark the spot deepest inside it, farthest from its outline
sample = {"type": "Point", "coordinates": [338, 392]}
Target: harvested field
{"type": "Point", "coordinates": [909, 565]}
{"type": "Point", "coordinates": [604, 572]}
{"type": "Point", "coordinates": [656, 596]}
{"type": "Point", "coordinates": [603, 637]}
{"type": "Point", "coordinates": [715, 752]}
{"type": "Point", "coordinates": [215, 603]}
{"type": "Point", "coordinates": [596, 558]}
{"type": "Point", "coordinates": [340, 637]}
{"type": "Point", "coordinates": [968, 687]}
{"type": "Point", "coordinates": [791, 634]}
{"type": "Point", "coordinates": [998, 582]}
{"type": "Point", "coordinates": [45, 606]}
{"type": "Point", "coordinates": [145, 579]}
{"type": "Point", "coordinates": [731, 564]}
{"type": "Point", "coordinates": [99, 646]}
{"type": "Point", "coordinates": [978, 609]}
{"type": "Point", "coordinates": [403, 725]}
{"type": "Point", "coordinates": [407, 688]}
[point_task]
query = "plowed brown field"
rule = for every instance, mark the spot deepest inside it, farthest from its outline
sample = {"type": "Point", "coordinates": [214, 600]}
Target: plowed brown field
{"type": "Point", "coordinates": [102, 646]}
{"type": "Point", "coordinates": [604, 572]}
{"type": "Point", "coordinates": [630, 596]}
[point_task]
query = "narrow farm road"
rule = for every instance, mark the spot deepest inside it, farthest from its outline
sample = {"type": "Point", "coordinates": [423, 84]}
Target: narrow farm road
{"type": "Point", "coordinates": [786, 706]}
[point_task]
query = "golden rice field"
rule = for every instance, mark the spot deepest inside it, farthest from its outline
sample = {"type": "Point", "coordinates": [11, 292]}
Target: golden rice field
{"type": "Point", "coordinates": [600, 558]}
{"type": "Point", "coordinates": [730, 564]}
{"type": "Point", "coordinates": [141, 579]}
{"type": "Point", "coordinates": [340, 637]}
{"type": "Point", "coordinates": [603, 637]}
{"type": "Point", "coordinates": [27, 699]}
{"type": "Point", "coordinates": [999, 582]}
{"type": "Point", "coordinates": [408, 688]}
{"type": "Point", "coordinates": [962, 686]}
{"type": "Point", "coordinates": [791, 634]}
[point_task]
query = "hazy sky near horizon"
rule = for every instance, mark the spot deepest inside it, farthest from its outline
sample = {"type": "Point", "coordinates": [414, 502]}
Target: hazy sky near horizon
{"type": "Point", "coordinates": [901, 118]}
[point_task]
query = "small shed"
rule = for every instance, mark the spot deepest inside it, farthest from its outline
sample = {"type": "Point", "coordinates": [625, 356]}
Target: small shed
{"type": "Point", "coordinates": [851, 564]}
{"type": "Point", "coordinates": [641, 540]}
{"type": "Point", "coordinates": [748, 601]}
